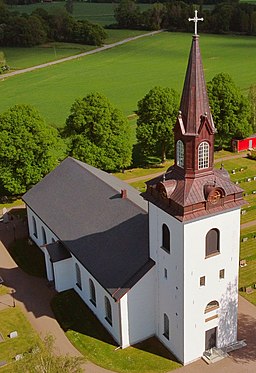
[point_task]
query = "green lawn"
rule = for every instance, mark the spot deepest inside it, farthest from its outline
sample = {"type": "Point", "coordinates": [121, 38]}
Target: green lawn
{"type": "Point", "coordinates": [138, 172]}
{"type": "Point", "coordinates": [247, 274]}
{"type": "Point", "coordinates": [93, 341]}
{"type": "Point", "coordinates": [11, 202]}
{"type": "Point", "coordinates": [28, 257]}
{"type": "Point", "coordinates": [126, 73]}
{"type": "Point", "coordinates": [117, 35]}
{"type": "Point", "coordinates": [13, 319]}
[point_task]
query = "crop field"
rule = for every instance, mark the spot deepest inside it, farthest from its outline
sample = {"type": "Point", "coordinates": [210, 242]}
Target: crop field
{"type": "Point", "coordinates": [126, 73]}
{"type": "Point", "coordinates": [102, 14]}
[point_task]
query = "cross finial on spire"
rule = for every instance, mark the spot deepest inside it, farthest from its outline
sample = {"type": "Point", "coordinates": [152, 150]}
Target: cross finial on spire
{"type": "Point", "coordinates": [195, 19]}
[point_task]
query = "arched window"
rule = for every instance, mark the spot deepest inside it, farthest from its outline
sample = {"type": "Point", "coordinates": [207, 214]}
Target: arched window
{"type": "Point", "coordinates": [203, 155]}
{"type": "Point", "coordinates": [166, 326]}
{"type": "Point", "coordinates": [211, 306]}
{"type": "Point", "coordinates": [34, 227]}
{"type": "Point", "coordinates": [165, 238]}
{"type": "Point", "coordinates": [78, 277]}
{"type": "Point", "coordinates": [44, 236]}
{"type": "Point", "coordinates": [92, 292]}
{"type": "Point", "coordinates": [180, 153]}
{"type": "Point", "coordinates": [212, 242]}
{"type": "Point", "coordinates": [108, 311]}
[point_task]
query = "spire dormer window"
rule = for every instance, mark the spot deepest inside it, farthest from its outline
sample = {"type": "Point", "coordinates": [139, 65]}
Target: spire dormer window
{"type": "Point", "coordinates": [180, 153]}
{"type": "Point", "coordinates": [203, 155]}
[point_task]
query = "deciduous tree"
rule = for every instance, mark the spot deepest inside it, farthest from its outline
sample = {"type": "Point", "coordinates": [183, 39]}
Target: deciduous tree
{"type": "Point", "coordinates": [252, 99]}
{"type": "Point", "coordinates": [157, 113]}
{"type": "Point", "coordinates": [99, 133]}
{"type": "Point", "coordinates": [29, 149]}
{"type": "Point", "coordinates": [230, 110]}
{"type": "Point", "coordinates": [127, 14]}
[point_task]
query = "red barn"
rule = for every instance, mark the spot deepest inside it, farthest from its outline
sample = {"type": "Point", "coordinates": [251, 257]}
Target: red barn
{"type": "Point", "coordinates": [244, 144]}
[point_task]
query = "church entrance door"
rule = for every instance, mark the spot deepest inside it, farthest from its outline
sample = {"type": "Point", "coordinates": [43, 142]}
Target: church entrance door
{"type": "Point", "coordinates": [210, 338]}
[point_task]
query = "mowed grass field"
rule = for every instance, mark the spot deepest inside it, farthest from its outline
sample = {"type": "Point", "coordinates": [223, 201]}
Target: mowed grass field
{"type": "Point", "coordinates": [126, 73]}
{"type": "Point", "coordinates": [20, 58]}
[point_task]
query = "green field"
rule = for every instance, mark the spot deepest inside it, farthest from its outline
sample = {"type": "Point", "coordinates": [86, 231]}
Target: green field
{"type": "Point", "coordinates": [20, 58]}
{"type": "Point", "coordinates": [101, 13]}
{"type": "Point", "coordinates": [126, 73]}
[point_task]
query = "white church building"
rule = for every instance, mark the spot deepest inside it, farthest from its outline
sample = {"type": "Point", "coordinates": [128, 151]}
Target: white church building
{"type": "Point", "coordinates": [161, 264]}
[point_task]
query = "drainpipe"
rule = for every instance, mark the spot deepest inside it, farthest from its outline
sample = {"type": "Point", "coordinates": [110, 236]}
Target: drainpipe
{"type": "Point", "coordinates": [120, 325]}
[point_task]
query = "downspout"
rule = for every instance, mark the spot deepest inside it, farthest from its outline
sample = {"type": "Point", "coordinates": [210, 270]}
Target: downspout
{"type": "Point", "coordinates": [120, 326]}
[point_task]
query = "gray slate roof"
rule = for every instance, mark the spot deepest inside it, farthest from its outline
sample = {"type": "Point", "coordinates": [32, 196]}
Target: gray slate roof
{"type": "Point", "coordinates": [57, 252]}
{"type": "Point", "coordinates": [107, 234]}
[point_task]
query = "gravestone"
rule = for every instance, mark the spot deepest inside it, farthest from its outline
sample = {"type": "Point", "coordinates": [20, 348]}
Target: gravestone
{"type": "Point", "coordinates": [13, 334]}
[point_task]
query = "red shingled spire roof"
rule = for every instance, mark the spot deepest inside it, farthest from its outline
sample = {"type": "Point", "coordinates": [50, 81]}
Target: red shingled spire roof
{"type": "Point", "coordinates": [194, 102]}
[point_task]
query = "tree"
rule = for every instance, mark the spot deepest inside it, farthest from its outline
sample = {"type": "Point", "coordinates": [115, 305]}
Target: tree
{"type": "Point", "coordinates": [252, 100]}
{"type": "Point", "coordinates": [43, 359]}
{"type": "Point", "coordinates": [154, 16]}
{"type": "Point", "coordinates": [69, 6]}
{"type": "Point", "coordinates": [98, 133]}
{"type": "Point", "coordinates": [29, 149]}
{"type": "Point", "coordinates": [20, 32]}
{"type": "Point", "coordinates": [127, 14]}
{"type": "Point", "coordinates": [230, 110]}
{"type": "Point", "coordinates": [3, 66]}
{"type": "Point", "coordinates": [2, 59]}
{"type": "Point", "coordinates": [85, 32]}
{"type": "Point", "coordinates": [157, 113]}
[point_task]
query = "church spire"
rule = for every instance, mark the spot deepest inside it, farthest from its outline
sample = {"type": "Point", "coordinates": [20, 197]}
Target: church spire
{"type": "Point", "coordinates": [192, 187]}
{"type": "Point", "coordinates": [194, 104]}
{"type": "Point", "coordinates": [194, 123]}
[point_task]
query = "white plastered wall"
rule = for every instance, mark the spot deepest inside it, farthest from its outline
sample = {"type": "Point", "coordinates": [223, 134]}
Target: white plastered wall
{"type": "Point", "coordinates": [225, 291]}
{"type": "Point", "coordinates": [63, 274]}
{"type": "Point", "coordinates": [169, 291]}
{"type": "Point", "coordinates": [50, 236]}
{"type": "Point", "coordinates": [138, 311]}
{"type": "Point", "coordinates": [180, 295]}
{"type": "Point", "coordinates": [99, 309]}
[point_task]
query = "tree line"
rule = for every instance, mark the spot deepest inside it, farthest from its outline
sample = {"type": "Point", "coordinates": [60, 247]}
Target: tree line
{"type": "Point", "coordinates": [28, 30]}
{"type": "Point", "coordinates": [223, 17]}
{"type": "Point", "coordinates": [98, 133]}
{"type": "Point", "coordinates": [25, 2]}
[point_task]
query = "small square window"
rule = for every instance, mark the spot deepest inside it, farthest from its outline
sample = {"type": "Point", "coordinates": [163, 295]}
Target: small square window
{"type": "Point", "coordinates": [222, 273]}
{"type": "Point", "coordinates": [202, 281]}
{"type": "Point", "coordinates": [165, 273]}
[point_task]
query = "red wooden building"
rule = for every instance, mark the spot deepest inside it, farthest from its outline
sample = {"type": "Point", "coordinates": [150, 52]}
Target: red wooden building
{"type": "Point", "coordinates": [244, 144]}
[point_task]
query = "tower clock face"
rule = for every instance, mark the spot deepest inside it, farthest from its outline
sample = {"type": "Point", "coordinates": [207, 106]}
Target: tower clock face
{"type": "Point", "coordinates": [214, 196]}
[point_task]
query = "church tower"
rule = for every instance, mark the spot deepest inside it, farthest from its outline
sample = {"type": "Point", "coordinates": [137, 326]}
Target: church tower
{"type": "Point", "coordinates": [194, 225]}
